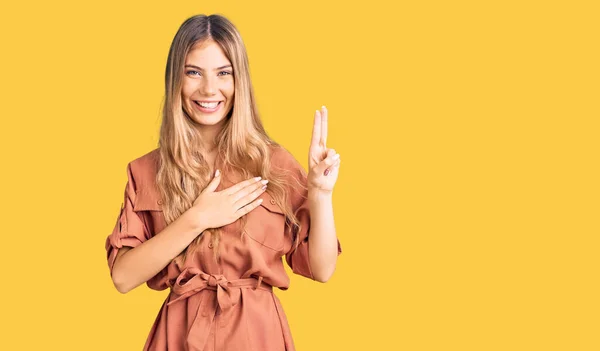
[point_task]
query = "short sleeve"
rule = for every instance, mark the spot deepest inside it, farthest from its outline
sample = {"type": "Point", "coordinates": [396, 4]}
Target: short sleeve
{"type": "Point", "coordinates": [297, 258]}
{"type": "Point", "coordinates": [130, 229]}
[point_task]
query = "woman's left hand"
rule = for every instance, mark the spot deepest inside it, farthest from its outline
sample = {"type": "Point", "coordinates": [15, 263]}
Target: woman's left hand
{"type": "Point", "coordinates": [323, 163]}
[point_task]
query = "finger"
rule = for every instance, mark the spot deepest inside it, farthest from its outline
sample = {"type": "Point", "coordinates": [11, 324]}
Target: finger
{"type": "Point", "coordinates": [244, 210]}
{"type": "Point", "coordinates": [326, 153]}
{"type": "Point", "coordinates": [248, 190]}
{"type": "Point", "coordinates": [214, 183]}
{"type": "Point", "coordinates": [237, 187]}
{"type": "Point", "coordinates": [329, 161]}
{"type": "Point", "coordinates": [244, 200]}
{"type": "Point", "coordinates": [324, 125]}
{"type": "Point", "coordinates": [333, 168]}
{"type": "Point", "coordinates": [329, 152]}
{"type": "Point", "coordinates": [316, 132]}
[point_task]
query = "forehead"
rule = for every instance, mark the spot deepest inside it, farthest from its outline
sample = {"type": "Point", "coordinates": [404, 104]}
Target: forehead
{"type": "Point", "coordinates": [207, 54]}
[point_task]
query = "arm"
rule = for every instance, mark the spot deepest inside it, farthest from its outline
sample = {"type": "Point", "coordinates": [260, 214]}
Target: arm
{"type": "Point", "coordinates": [134, 266]}
{"type": "Point", "coordinates": [322, 239]}
{"type": "Point", "coordinates": [323, 172]}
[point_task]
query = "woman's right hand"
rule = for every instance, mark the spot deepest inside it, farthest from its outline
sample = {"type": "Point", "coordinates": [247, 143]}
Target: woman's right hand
{"type": "Point", "coordinates": [216, 209]}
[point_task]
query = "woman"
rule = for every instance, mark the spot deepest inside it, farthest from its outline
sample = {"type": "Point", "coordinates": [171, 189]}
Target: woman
{"type": "Point", "coordinates": [199, 217]}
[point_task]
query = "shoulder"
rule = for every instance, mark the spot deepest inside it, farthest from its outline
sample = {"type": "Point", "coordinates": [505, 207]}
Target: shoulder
{"type": "Point", "coordinates": [294, 174]}
{"type": "Point", "coordinates": [283, 159]}
{"type": "Point", "coordinates": [143, 169]}
{"type": "Point", "coordinates": [147, 161]}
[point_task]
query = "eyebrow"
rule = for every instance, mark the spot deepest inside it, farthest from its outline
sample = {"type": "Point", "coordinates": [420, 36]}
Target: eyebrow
{"type": "Point", "coordinates": [202, 69]}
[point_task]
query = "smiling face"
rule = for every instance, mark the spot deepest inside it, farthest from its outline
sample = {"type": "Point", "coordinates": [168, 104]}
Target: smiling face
{"type": "Point", "coordinates": [208, 85]}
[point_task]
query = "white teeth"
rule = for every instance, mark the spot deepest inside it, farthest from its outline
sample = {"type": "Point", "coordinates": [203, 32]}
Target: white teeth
{"type": "Point", "coordinates": [208, 104]}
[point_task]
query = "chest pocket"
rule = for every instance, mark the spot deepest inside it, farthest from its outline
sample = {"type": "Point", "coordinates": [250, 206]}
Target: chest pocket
{"type": "Point", "coordinates": [266, 223]}
{"type": "Point", "coordinates": [147, 201]}
{"type": "Point", "coordinates": [149, 207]}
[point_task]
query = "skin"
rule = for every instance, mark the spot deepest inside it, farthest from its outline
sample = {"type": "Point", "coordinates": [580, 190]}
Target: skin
{"type": "Point", "coordinates": [211, 80]}
{"type": "Point", "coordinates": [323, 164]}
{"type": "Point", "coordinates": [208, 76]}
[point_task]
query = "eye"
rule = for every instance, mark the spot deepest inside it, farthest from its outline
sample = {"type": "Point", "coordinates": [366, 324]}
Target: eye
{"type": "Point", "coordinates": [191, 72]}
{"type": "Point", "coordinates": [224, 73]}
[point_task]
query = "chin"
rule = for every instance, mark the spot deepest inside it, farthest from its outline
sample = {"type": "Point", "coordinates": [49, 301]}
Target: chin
{"type": "Point", "coordinates": [204, 119]}
{"type": "Point", "coordinates": [208, 119]}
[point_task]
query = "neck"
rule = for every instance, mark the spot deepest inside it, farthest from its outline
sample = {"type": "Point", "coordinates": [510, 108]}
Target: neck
{"type": "Point", "coordinates": [208, 135]}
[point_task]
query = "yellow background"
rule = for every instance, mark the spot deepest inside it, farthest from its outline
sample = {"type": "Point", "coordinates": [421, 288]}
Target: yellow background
{"type": "Point", "coordinates": [467, 203]}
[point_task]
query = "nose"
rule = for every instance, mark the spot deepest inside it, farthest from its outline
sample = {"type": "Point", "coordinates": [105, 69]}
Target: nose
{"type": "Point", "coordinates": [208, 86]}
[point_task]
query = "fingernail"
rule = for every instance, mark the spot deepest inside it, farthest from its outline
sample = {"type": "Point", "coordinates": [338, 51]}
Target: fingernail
{"type": "Point", "coordinates": [264, 187]}
{"type": "Point", "coordinates": [336, 156]}
{"type": "Point", "coordinates": [257, 178]}
{"type": "Point", "coordinates": [326, 172]}
{"type": "Point", "coordinates": [217, 173]}
{"type": "Point", "coordinates": [264, 181]}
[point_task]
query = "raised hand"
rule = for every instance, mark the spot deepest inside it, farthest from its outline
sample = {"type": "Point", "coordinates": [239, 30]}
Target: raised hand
{"type": "Point", "coordinates": [217, 209]}
{"type": "Point", "coordinates": [323, 163]}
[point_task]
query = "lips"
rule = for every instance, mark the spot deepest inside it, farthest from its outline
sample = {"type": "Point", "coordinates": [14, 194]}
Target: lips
{"type": "Point", "coordinates": [208, 106]}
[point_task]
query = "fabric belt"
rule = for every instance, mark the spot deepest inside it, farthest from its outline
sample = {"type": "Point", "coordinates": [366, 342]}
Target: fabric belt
{"type": "Point", "coordinates": [227, 295]}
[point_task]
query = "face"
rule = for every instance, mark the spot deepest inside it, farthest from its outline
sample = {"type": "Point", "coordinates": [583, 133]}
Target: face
{"type": "Point", "coordinates": [208, 85]}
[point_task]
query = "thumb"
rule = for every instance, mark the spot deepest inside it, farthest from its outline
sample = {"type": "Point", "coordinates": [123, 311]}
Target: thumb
{"type": "Point", "coordinates": [214, 183]}
{"type": "Point", "coordinates": [329, 161]}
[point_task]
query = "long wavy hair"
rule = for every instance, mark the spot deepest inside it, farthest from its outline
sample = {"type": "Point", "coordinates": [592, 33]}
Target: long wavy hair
{"type": "Point", "coordinates": [242, 144]}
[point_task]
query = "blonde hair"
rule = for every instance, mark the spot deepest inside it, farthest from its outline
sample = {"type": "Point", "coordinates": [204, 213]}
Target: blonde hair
{"type": "Point", "coordinates": [243, 145]}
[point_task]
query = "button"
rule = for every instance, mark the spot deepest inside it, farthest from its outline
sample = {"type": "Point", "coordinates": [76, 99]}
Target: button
{"type": "Point", "coordinates": [272, 202]}
{"type": "Point", "coordinates": [159, 202]}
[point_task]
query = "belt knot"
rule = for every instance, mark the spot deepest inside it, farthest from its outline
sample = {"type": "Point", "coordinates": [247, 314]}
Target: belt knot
{"type": "Point", "coordinates": [213, 280]}
{"type": "Point", "coordinates": [228, 292]}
